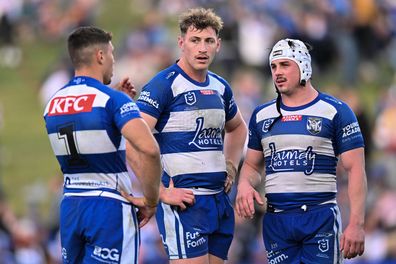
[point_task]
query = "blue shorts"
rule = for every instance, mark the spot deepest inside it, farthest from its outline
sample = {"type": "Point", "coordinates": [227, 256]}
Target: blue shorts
{"type": "Point", "coordinates": [205, 227]}
{"type": "Point", "coordinates": [308, 236]}
{"type": "Point", "coordinates": [98, 230]}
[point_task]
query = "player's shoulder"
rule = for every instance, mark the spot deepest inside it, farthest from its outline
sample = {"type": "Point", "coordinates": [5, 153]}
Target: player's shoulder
{"type": "Point", "coordinates": [333, 101]}
{"type": "Point", "coordinates": [164, 77]}
{"type": "Point", "coordinates": [218, 78]}
{"type": "Point", "coordinates": [265, 111]}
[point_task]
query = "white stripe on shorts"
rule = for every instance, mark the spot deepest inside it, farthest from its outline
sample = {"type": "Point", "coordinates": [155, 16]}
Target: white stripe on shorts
{"type": "Point", "coordinates": [130, 243]}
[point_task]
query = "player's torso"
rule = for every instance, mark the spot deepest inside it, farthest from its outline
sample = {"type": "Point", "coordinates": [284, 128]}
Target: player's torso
{"type": "Point", "coordinates": [189, 133]}
{"type": "Point", "coordinates": [300, 160]}
{"type": "Point", "coordinates": [89, 148]}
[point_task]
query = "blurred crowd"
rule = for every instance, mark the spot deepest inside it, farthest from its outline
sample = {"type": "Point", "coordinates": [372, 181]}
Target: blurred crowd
{"type": "Point", "coordinates": [354, 43]}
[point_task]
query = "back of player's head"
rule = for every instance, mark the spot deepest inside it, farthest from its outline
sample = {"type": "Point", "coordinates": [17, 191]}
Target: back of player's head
{"type": "Point", "coordinates": [200, 18]}
{"type": "Point", "coordinates": [297, 51]}
{"type": "Point", "coordinates": [81, 41]}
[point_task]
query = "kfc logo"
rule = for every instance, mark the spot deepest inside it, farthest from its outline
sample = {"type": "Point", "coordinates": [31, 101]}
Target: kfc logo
{"type": "Point", "coordinates": [68, 105]}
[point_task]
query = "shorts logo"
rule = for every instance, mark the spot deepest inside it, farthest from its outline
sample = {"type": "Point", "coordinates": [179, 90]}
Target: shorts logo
{"type": "Point", "coordinates": [314, 125]}
{"type": "Point", "coordinates": [190, 98]}
{"type": "Point", "coordinates": [106, 254]}
{"type": "Point", "coordinates": [64, 253]}
{"type": "Point", "coordinates": [67, 105]}
{"type": "Point", "coordinates": [274, 257]}
{"type": "Point", "coordinates": [194, 240]}
{"type": "Point", "coordinates": [323, 245]}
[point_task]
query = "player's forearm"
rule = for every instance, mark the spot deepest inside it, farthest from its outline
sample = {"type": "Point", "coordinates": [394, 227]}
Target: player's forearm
{"type": "Point", "coordinates": [234, 142]}
{"type": "Point", "coordinates": [357, 192]}
{"type": "Point", "coordinates": [249, 175]}
{"type": "Point", "coordinates": [150, 176]}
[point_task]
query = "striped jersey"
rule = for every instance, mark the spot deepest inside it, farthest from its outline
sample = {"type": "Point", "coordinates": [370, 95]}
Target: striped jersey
{"type": "Point", "coordinates": [301, 149]}
{"type": "Point", "coordinates": [190, 124]}
{"type": "Point", "coordinates": [83, 121]}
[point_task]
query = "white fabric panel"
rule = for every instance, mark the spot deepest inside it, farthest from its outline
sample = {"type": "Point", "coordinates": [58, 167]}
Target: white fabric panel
{"type": "Point", "coordinates": [320, 145]}
{"type": "Point", "coordinates": [292, 182]}
{"type": "Point", "coordinates": [193, 162]}
{"type": "Point", "coordinates": [77, 90]}
{"type": "Point", "coordinates": [170, 229]}
{"type": "Point", "coordinates": [181, 85]}
{"type": "Point", "coordinates": [185, 121]}
{"type": "Point", "coordinates": [86, 142]}
{"type": "Point", "coordinates": [129, 246]}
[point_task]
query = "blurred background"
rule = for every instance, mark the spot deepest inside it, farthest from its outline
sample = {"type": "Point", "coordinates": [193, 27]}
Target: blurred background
{"type": "Point", "coordinates": [354, 58]}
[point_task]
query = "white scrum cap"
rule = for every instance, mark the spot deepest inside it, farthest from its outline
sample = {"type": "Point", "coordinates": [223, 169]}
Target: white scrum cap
{"type": "Point", "coordinates": [295, 50]}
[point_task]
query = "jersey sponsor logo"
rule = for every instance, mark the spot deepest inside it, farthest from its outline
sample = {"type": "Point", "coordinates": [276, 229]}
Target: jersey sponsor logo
{"type": "Point", "coordinates": [350, 129]}
{"type": "Point", "coordinates": [266, 124]}
{"type": "Point", "coordinates": [275, 257]}
{"type": "Point", "coordinates": [291, 118]}
{"type": "Point", "coordinates": [289, 160]}
{"type": "Point", "coordinates": [194, 239]}
{"type": "Point", "coordinates": [190, 98]}
{"type": "Point", "coordinates": [314, 125]}
{"type": "Point", "coordinates": [129, 107]}
{"type": "Point", "coordinates": [206, 138]}
{"type": "Point", "coordinates": [106, 254]}
{"type": "Point", "coordinates": [323, 245]}
{"type": "Point", "coordinates": [145, 97]}
{"type": "Point", "coordinates": [207, 92]}
{"type": "Point", "coordinates": [67, 105]}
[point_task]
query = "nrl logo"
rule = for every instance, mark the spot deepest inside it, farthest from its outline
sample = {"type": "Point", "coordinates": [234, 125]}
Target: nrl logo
{"type": "Point", "coordinates": [314, 125]}
{"type": "Point", "coordinates": [190, 98]}
{"type": "Point", "coordinates": [323, 245]}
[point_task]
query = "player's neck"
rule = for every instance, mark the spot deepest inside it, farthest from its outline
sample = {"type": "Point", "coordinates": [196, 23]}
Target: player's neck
{"type": "Point", "coordinates": [301, 96]}
{"type": "Point", "coordinates": [196, 75]}
{"type": "Point", "coordinates": [95, 74]}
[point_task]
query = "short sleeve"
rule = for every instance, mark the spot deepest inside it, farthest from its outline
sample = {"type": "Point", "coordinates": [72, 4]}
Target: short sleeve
{"type": "Point", "coordinates": [347, 131]}
{"type": "Point", "coordinates": [254, 135]}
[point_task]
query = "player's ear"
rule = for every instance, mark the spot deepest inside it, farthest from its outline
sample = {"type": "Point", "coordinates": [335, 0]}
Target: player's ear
{"type": "Point", "coordinates": [99, 56]}
{"type": "Point", "coordinates": [218, 45]}
{"type": "Point", "coordinates": [180, 42]}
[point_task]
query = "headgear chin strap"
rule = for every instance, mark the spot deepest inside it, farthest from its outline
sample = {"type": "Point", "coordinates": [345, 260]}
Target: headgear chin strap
{"type": "Point", "coordinates": [297, 51]}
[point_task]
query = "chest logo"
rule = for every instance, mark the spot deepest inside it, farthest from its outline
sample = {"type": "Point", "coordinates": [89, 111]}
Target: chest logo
{"type": "Point", "coordinates": [190, 98]}
{"type": "Point", "coordinates": [314, 125]}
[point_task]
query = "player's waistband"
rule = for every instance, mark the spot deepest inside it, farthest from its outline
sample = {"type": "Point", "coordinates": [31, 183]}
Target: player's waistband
{"type": "Point", "coordinates": [204, 191]}
{"type": "Point", "coordinates": [96, 193]}
{"type": "Point", "coordinates": [302, 208]}
{"type": "Point", "coordinates": [90, 181]}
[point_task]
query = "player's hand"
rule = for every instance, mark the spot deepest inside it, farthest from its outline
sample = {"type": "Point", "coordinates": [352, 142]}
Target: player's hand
{"type": "Point", "coordinates": [352, 241]}
{"type": "Point", "coordinates": [127, 87]}
{"type": "Point", "coordinates": [245, 200]}
{"type": "Point", "coordinates": [145, 211]}
{"type": "Point", "coordinates": [177, 196]}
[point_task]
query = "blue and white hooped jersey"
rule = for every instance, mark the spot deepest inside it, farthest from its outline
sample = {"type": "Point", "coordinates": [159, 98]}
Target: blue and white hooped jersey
{"type": "Point", "coordinates": [83, 121]}
{"type": "Point", "coordinates": [190, 121]}
{"type": "Point", "coordinates": [301, 149]}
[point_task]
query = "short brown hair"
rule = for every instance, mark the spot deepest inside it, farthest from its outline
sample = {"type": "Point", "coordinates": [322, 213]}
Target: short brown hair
{"type": "Point", "coordinates": [82, 38]}
{"type": "Point", "coordinates": [200, 18]}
